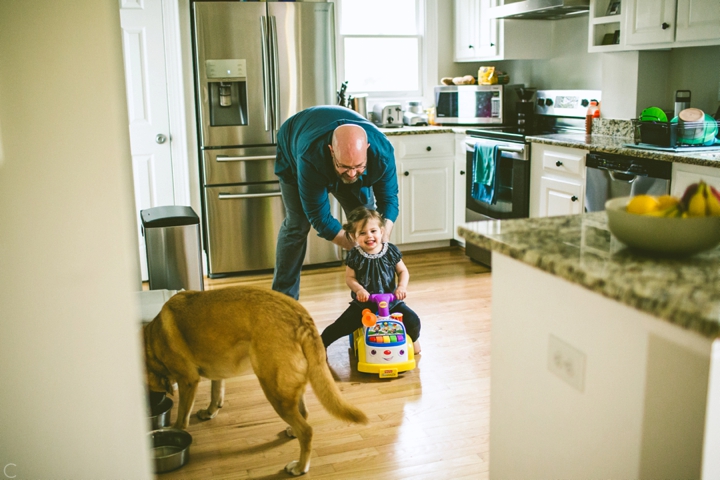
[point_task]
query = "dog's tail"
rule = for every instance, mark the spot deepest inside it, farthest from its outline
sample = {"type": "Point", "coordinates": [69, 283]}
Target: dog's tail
{"type": "Point", "coordinates": [322, 380]}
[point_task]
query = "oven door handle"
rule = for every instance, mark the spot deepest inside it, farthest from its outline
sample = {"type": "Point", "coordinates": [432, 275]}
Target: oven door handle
{"type": "Point", "coordinates": [502, 148]}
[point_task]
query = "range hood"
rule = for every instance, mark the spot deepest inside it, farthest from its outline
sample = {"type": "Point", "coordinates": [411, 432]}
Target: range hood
{"type": "Point", "coordinates": [541, 9]}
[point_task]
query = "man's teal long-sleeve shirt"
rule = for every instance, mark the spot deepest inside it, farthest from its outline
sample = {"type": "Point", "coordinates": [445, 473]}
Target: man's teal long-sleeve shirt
{"type": "Point", "coordinates": [304, 159]}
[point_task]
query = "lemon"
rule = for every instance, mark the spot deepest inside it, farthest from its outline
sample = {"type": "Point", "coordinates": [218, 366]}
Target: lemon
{"type": "Point", "coordinates": [643, 204]}
{"type": "Point", "coordinates": [667, 201]}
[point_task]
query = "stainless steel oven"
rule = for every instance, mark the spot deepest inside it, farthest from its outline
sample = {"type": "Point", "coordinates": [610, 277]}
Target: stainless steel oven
{"type": "Point", "coordinates": [510, 198]}
{"type": "Point", "coordinates": [512, 181]}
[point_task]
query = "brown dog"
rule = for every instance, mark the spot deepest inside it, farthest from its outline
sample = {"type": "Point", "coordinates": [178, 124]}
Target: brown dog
{"type": "Point", "coordinates": [209, 333]}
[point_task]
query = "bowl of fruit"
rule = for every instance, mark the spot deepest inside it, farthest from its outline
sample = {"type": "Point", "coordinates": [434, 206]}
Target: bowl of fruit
{"type": "Point", "coordinates": [667, 225]}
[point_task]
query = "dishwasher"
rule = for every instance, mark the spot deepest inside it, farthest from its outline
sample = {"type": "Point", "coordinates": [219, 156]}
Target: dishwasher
{"type": "Point", "coordinates": [610, 175]}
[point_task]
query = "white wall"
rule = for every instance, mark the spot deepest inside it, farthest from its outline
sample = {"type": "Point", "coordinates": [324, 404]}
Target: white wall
{"type": "Point", "coordinates": [72, 397]}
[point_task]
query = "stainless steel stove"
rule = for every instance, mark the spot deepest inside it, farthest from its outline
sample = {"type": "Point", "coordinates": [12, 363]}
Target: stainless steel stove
{"type": "Point", "coordinates": [556, 111]}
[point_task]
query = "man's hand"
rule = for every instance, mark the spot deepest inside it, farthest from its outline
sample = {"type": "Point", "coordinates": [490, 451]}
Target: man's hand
{"type": "Point", "coordinates": [388, 230]}
{"type": "Point", "coordinates": [341, 240]}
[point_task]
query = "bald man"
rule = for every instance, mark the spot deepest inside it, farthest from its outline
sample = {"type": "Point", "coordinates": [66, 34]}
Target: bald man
{"type": "Point", "coordinates": [328, 150]}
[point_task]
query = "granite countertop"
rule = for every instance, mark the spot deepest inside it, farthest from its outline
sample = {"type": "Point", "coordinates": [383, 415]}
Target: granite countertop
{"type": "Point", "coordinates": [615, 144]}
{"type": "Point", "coordinates": [580, 249]}
{"type": "Point", "coordinates": [421, 130]}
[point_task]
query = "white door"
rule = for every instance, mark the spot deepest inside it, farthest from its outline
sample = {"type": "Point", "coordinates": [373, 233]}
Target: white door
{"type": "Point", "coordinates": [145, 78]}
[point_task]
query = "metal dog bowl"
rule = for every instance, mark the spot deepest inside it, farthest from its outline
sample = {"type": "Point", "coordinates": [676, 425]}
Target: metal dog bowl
{"type": "Point", "coordinates": [160, 414]}
{"type": "Point", "coordinates": [171, 448]}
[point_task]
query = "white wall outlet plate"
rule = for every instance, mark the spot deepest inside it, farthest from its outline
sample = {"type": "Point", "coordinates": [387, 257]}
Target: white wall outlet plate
{"type": "Point", "coordinates": [567, 362]}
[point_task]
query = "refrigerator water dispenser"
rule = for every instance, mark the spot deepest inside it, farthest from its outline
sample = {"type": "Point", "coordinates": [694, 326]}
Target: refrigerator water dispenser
{"type": "Point", "coordinates": [228, 104]}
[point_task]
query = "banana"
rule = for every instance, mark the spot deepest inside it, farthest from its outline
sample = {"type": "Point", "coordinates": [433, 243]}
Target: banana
{"type": "Point", "coordinates": [690, 191]}
{"type": "Point", "coordinates": [697, 206]}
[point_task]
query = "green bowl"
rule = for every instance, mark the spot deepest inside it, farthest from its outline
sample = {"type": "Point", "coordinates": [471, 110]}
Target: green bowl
{"type": "Point", "coordinates": [653, 114]}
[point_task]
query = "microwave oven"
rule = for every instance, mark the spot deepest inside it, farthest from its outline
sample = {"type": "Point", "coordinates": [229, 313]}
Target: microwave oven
{"type": "Point", "coordinates": [475, 104]}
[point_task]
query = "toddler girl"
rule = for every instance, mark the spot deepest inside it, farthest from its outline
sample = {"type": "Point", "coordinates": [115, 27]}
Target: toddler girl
{"type": "Point", "coordinates": [371, 268]}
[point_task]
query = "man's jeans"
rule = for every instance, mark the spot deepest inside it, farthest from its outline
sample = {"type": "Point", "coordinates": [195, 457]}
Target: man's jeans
{"type": "Point", "coordinates": [292, 238]}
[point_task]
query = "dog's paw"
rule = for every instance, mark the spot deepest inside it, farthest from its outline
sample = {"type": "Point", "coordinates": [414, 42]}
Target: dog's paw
{"type": "Point", "coordinates": [293, 469]}
{"type": "Point", "coordinates": [206, 415]}
{"type": "Point", "coordinates": [289, 432]}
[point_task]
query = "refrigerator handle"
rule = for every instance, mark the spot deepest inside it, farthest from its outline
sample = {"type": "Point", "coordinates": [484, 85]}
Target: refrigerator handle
{"type": "Point", "coordinates": [229, 196]}
{"type": "Point", "coordinates": [227, 158]}
{"type": "Point", "coordinates": [266, 71]}
{"type": "Point", "coordinates": [276, 73]}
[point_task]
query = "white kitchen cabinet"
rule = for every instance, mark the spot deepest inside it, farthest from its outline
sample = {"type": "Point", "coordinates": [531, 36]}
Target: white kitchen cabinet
{"type": "Point", "coordinates": [698, 20]}
{"type": "Point", "coordinates": [425, 166]}
{"type": "Point", "coordinates": [557, 180]}
{"type": "Point", "coordinates": [603, 27]}
{"type": "Point", "coordinates": [671, 23]}
{"type": "Point", "coordinates": [460, 185]}
{"type": "Point", "coordinates": [684, 174]}
{"type": "Point", "coordinates": [479, 37]}
{"type": "Point", "coordinates": [475, 31]}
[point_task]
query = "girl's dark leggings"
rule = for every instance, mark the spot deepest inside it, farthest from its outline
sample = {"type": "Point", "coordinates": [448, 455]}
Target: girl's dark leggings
{"type": "Point", "coordinates": [351, 320]}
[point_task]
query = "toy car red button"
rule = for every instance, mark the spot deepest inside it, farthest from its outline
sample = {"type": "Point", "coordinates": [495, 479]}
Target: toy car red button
{"type": "Point", "coordinates": [387, 352]}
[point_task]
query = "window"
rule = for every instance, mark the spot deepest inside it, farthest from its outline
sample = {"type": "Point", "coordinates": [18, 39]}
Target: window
{"type": "Point", "coordinates": [380, 46]}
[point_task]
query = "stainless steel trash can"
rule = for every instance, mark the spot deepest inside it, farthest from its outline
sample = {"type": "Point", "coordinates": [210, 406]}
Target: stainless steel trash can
{"type": "Point", "coordinates": [172, 243]}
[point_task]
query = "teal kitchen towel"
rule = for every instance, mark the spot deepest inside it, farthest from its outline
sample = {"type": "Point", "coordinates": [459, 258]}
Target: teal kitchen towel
{"type": "Point", "coordinates": [483, 173]}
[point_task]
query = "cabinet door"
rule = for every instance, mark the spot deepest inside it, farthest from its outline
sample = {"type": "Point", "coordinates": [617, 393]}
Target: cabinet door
{"type": "Point", "coordinates": [460, 185]}
{"type": "Point", "coordinates": [476, 33]}
{"type": "Point", "coordinates": [467, 25]}
{"type": "Point", "coordinates": [427, 200]}
{"type": "Point", "coordinates": [697, 20]}
{"type": "Point", "coordinates": [649, 21]}
{"type": "Point", "coordinates": [560, 197]}
{"type": "Point", "coordinates": [684, 175]}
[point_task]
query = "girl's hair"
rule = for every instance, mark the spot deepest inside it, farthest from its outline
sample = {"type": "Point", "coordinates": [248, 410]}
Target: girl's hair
{"type": "Point", "coordinates": [359, 217]}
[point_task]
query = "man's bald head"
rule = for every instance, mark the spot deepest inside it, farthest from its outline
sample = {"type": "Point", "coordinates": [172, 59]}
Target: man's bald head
{"type": "Point", "coordinates": [349, 142]}
{"type": "Point", "coordinates": [349, 151]}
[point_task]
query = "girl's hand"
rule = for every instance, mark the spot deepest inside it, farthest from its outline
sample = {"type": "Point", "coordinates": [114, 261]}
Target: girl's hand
{"type": "Point", "coordinates": [400, 293]}
{"type": "Point", "coordinates": [362, 295]}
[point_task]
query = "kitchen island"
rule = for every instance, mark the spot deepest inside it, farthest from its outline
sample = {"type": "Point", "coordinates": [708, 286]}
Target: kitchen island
{"type": "Point", "coordinates": [605, 362]}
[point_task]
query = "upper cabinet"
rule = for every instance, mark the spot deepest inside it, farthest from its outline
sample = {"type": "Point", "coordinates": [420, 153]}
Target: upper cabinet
{"type": "Point", "coordinates": [479, 37]}
{"type": "Point", "coordinates": [605, 26]}
{"type": "Point", "coordinates": [475, 33]}
{"type": "Point", "coordinates": [648, 24]}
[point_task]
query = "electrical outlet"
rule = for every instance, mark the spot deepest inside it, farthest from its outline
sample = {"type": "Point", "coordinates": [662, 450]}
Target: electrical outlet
{"type": "Point", "coordinates": [567, 362]}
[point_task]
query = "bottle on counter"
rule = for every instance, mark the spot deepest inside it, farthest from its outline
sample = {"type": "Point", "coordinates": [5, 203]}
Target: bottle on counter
{"type": "Point", "coordinates": [593, 111]}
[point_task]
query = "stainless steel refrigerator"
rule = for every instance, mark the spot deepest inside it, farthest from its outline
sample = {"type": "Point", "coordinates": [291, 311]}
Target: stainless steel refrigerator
{"type": "Point", "coordinates": [256, 64]}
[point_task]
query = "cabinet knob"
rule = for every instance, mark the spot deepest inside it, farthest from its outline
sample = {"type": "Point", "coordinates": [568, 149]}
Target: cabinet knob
{"type": "Point", "coordinates": [462, 172]}
{"type": "Point", "coordinates": [558, 163]}
{"type": "Point", "coordinates": [428, 148]}
{"type": "Point", "coordinates": [470, 46]}
{"type": "Point", "coordinates": [406, 173]}
{"type": "Point", "coordinates": [665, 25]}
{"type": "Point", "coordinates": [492, 44]}
{"type": "Point", "coordinates": [574, 198]}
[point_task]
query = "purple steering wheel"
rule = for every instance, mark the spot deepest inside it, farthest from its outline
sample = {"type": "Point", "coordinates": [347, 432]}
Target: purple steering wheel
{"type": "Point", "coordinates": [383, 301]}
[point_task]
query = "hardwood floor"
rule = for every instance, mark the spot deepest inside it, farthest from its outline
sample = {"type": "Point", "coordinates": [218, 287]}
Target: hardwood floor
{"type": "Point", "coordinates": [430, 423]}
